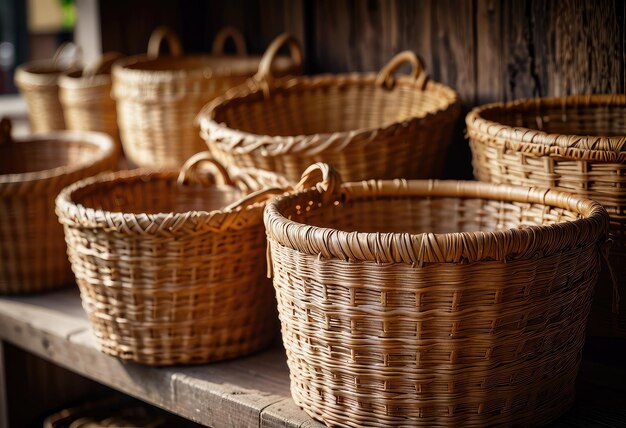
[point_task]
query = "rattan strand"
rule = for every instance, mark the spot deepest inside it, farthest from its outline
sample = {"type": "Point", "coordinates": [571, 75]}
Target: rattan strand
{"type": "Point", "coordinates": [365, 125]}
{"type": "Point", "coordinates": [434, 304]}
{"type": "Point", "coordinates": [158, 97]}
{"type": "Point", "coordinates": [170, 271]}
{"type": "Point", "coordinates": [32, 172]}
{"type": "Point", "coordinates": [86, 98]}
{"type": "Point", "coordinates": [576, 144]}
{"type": "Point", "coordinates": [37, 81]}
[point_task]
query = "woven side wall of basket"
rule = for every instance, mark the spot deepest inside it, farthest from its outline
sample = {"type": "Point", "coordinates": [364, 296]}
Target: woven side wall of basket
{"type": "Point", "coordinates": [576, 144]}
{"type": "Point", "coordinates": [38, 84]}
{"type": "Point", "coordinates": [32, 172]}
{"type": "Point", "coordinates": [434, 304]}
{"type": "Point", "coordinates": [365, 125]}
{"type": "Point", "coordinates": [158, 97]}
{"type": "Point", "coordinates": [86, 98]}
{"type": "Point", "coordinates": [171, 268]}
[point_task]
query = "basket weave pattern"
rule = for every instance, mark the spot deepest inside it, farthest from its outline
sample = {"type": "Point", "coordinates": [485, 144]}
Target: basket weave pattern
{"type": "Point", "coordinates": [576, 144]}
{"type": "Point", "coordinates": [32, 249]}
{"type": "Point", "coordinates": [167, 274]}
{"type": "Point", "coordinates": [158, 98]}
{"type": "Point", "coordinates": [366, 125]}
{"type": "Point", "coordinates": [477, 322]}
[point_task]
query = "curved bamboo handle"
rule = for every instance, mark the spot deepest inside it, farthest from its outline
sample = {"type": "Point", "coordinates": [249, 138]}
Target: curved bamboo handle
{"type": "Point", "coordinates": [5, 131]}
{"type": "Point", "coordinates": [102, 65]}
{"type": "Point", "coordinates": [189, 173]}
{"type": "Point", "coordinates": [156, 39]}
{"type": "Point", "coordinates": [229, 33]}
{"type": "Point", "coordinates": [330, 183]}
{"type": "Point", "coordinates": [58, 54]}
{"type": "Point", "coordinates": [254, 197]}
{"type": "Point", "coordinates": [264, 75]}
{"type": "Point", "coordinates": [385, 76]}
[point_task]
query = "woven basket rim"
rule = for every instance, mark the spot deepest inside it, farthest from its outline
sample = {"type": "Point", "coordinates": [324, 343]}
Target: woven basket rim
{"type": "Point", "coordinates": [122, 70]}
{"type": "Point", "coordinates": [242, 142]}
{"type": "Point", "coordinates": [588, 147]}
{"type": "Point", "coordinates": [27, 74]}
{"type": "Point", "coordinates": [167, 223]}
{"type": "Point", "coordinates": [69, 80]}
{"type": "Point", "coordinates": [454, 247]}
{"type": "Point", "coordinates": [103, 141]}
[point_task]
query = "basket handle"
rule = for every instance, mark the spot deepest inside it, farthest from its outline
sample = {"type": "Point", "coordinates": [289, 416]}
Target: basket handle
{"type": "Point", "coordinates": [102, 65]}
{"type": "Point", "coordinates": [264, 75]}
{"type": "Point", "coordinates": [189, 171]}
{"type": "Point", "coordinates": [156, 40]}
{"type": "Point", "coordinates": [385, 76]}
{"type": "Point", "coordinates": [5, 131]}
{"type": "Point", "coordinates": [330, 183]}
{"type": "Point", "coordinates": [59, 53]}
{"type": "Point", "coordinates": [254, 197]}
{"type": "Point", "coordinates": [229, 33]}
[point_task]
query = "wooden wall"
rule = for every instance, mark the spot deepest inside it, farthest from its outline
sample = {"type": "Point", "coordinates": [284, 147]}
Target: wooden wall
{"type": "Point", "coordinates": [488, 50]}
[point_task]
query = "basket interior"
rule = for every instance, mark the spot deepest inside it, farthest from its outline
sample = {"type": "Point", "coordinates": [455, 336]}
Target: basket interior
{"type": "Point", "coordinates": [41, 155]}
{"type": "Point", "coordinates": [419, 214]}
{"type": "Point", "coordinates": [322, 109]}
{"type": "Point", "coordinates": [154, 194]}
{"type": "Point", "coordinates": [594, 118]}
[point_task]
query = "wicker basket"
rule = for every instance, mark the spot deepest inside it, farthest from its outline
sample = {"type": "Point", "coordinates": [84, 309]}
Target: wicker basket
{"type": "Point", "coordinates": [159, 97]}
{"type": "Point", "coordinates": [109, 413]}
{"type": "Point", "coordinates": [32, 172]}
{"type": "Point", "coordinates": [172, 272]}
{"type": "Point", "coordinates": [433, 303]}
{"type": "Point", "coordinates": [365, 125]}
{"type": "Point", "coordinates": [86, 98]}
{"type": "Point", "coordinates": [576, 144]}
{"type": "Point", "coordinates": [38, 83]}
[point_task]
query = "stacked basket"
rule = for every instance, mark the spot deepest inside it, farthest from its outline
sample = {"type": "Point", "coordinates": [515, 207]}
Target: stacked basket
{"type": "Point", "coordinates": [158, 97]}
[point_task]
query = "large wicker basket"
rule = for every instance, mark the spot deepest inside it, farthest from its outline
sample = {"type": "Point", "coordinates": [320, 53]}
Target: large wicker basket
{"type": "Point", "coordinates": [38, 82]}
{"type": "Point", "coordinates": [576, 144]}
{"type": "Point", "coordinates": [433, 303]}
{"type": "Point", "coordinates": [171, 267]}
{"type": "Point", "coordinates": [365, 125]}
{"type": "Point", "coordinates": [86, 98]}
{"type": "Point", "coordinates": [32, 172]}
{"type": "Point", "coordinates": [158, 97]}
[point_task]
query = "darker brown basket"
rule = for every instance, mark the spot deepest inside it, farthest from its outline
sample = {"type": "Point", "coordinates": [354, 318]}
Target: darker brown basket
{"type": "Point", "coordinates": [32, 173]}
{"type": "Point", "coordinates": [158, 97]}
{"type": "Point", "coordinates": [575, 144]}
{"type": "Point", "coordinates": [366, 125]}
{"type": "Point", "coordinates": [171, 267]}
{"type": "Point", "coordinates": [433, 303]}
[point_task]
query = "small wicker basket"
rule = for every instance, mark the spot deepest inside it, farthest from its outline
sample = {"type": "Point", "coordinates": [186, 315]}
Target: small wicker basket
{"type": "Point", "coordinates": [171, 267]}
{"type": "Point", "coordinates": [158, 97]}
{"type": "Point", "coordinates": [38, 83]}
{"type": "Point", "coordinates": [86, 98]}
{"type": "Point", "coordinates": [32, 172]}
{"type": "Point", "coordinates": [365, 125]}
{"type": "Point", "coordinates": [576, 144]}
{"type": "Point", "coordinates": [433, 303]}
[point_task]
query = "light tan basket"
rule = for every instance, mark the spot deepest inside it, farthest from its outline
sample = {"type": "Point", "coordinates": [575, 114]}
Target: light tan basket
{"type": "Point", "coordinates": [576, 144]}
{"type": "Point", "coordinates": [86, 98]}
{"type": "Point", "coordinates": [159, 97]}
{"type": "Point", "coordinates": [433, 303]}
{"type": "Point", "coordinates": [366, 125]}
{"type": "Point", "coordinates": [32, 172]}
{"type": "Point", "coordinates": [38, 83]}
{"type": "Point", "coordinates": [171, 268]}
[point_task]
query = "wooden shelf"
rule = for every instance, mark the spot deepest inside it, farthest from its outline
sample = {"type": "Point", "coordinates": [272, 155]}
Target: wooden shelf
{"type": "Point", "coordinates": [247, 392]}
